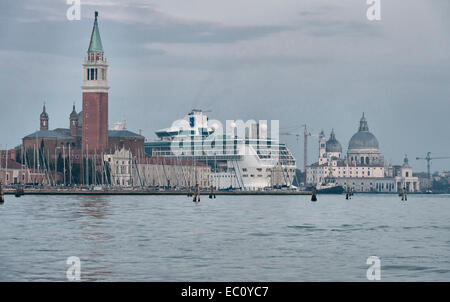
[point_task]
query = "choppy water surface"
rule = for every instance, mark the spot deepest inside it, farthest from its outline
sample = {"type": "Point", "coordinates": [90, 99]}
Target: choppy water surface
{"type": "Point", "coordinates": [230, 238]}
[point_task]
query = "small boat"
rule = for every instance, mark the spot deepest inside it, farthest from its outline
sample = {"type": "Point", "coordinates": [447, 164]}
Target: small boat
{"type": "Point", "coordinates": [331, 190]}
{"type": "Point", "coordinates": [230, 188]}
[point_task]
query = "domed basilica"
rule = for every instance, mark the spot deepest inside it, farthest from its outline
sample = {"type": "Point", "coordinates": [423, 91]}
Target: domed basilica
{"type": "Point", "coordinates": [363, 169]}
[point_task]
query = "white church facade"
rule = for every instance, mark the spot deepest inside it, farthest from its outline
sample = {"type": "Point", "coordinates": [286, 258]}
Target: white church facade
{"type": "Point", "coordinates": [363, 169]}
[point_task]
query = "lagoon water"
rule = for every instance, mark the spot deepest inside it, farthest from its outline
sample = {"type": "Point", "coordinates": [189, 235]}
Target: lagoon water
{"type": "Point", "coordinates": [230, 238]}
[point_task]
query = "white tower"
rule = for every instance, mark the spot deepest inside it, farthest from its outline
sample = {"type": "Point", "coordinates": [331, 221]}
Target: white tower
{"type": "Point", "coordinates": [322, 148]}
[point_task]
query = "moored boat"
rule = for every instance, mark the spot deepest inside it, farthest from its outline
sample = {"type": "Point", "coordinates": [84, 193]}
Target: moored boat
{"type": "Point", "coordinates": [330, 188]}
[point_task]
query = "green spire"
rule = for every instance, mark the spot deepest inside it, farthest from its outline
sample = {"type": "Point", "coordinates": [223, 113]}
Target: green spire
{"type": "Point", "coordinates": [96, 42]}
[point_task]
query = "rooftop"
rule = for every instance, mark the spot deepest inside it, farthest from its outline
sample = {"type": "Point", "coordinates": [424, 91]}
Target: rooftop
{"type": "Point", "coordinates": [123, 133]}
{"type": "Point", "coordinates": [48, 134]}
{"type": "Point", "coordinates": [12, 164]}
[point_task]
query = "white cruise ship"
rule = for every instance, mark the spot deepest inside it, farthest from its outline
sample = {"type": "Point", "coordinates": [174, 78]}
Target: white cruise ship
{"type": "Point", "coordinates": [249, 161]}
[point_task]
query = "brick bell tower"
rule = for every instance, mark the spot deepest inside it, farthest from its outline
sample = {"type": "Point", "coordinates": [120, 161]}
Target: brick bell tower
{"type": "Point", "coordinates": [95, 96]}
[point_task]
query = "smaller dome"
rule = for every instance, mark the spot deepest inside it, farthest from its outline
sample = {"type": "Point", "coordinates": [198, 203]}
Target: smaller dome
{"type": "Point", "coordinates": [333, 144]}
{"type": "Point", "coordinates": [74, 114]}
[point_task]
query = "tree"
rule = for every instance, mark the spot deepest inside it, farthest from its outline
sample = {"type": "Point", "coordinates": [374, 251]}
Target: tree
{"type": "Point", "coordinates": [298, 178]}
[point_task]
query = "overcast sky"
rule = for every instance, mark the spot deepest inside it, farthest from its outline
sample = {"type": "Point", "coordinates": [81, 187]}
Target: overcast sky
{"type": "Point", "coordinates": [319, 62]}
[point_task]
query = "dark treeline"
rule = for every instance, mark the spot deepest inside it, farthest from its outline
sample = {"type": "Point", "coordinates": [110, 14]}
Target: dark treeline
{"type": "Point", "coordinates": [441, 186]}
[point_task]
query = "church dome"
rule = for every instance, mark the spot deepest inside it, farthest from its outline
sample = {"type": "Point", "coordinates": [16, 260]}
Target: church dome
{"type": "Point", "coordinates": [363, 139]}
{"type": "Point", "coordinates": [333, 145]}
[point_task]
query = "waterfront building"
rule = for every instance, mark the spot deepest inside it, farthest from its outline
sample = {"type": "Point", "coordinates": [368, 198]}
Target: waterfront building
{"type": "Point", "coordinates": [404, 177]}
{"type": "Point", "coordinates": [12, 173]}
{"type": "Point", "coordinates": [127, 170]}
{"type": "Point", "coordinates": [363, 169]}
{"type": "Point", "coordinates": [8, 154]}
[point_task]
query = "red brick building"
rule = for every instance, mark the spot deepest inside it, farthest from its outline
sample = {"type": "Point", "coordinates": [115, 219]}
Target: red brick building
{"type": "Point", "coordinates": [8, 154]}
{"type": "Point", "coordinates": [12, 172]}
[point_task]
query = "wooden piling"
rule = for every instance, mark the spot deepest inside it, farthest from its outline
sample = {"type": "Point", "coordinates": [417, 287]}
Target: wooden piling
{"type": "Point", "coordinates": [404, 195]}
{"type": "Point", "coordinates": [196, 194]}
{"type": "Point", "coordinates": [2, 195]}
{"type": "Point", "coordinates": [211, 193]}
{"type": "Point", "coordinates": [314, 194]}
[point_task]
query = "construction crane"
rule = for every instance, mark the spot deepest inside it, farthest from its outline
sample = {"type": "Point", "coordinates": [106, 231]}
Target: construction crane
{"type": "Point", "coordinates": [305, 135]}
{"type": "Point", "coordinates": [428, 158]}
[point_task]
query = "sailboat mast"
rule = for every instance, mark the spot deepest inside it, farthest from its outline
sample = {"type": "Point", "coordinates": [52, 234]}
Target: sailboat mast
{"type": "Point", "coordinates": [102, 165]}
{"type": "Point", "coordinates": [70, 168]}
{"type": "Point", "coordinates": [87, 165]}
{"type": "Point", "coordinates": [64, 164]}
{"type": "Point", "coordinates": [6, 164]}
{"type": "Point", "coordinates": [94, 174]}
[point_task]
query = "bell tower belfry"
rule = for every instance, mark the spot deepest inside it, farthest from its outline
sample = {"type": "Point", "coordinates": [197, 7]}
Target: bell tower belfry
{"type": "Point", "coordinates": [44, 119]}
{"type": "Point", "coordinates": [95, 95]}
{"type": "Point", "coordinates": [73, 122]}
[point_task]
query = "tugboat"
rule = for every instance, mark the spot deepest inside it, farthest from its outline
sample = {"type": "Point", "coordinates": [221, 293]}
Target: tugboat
{"type": "Point", "coordinates": [328, 188]}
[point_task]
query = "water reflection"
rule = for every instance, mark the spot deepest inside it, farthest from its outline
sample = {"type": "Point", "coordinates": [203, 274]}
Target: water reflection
{"type": "Point", "coordinates": [94, 206]}
{"type": "Point", "coordinates": [96, 237]}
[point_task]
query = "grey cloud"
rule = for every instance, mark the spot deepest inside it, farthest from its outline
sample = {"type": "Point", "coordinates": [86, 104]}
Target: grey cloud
{"type": "Point", "coordinates": [341, 28]}
{"type": "Point", "coordinates": [319, 10]}
{"type": "Point", "coordinates": [201, 33]}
